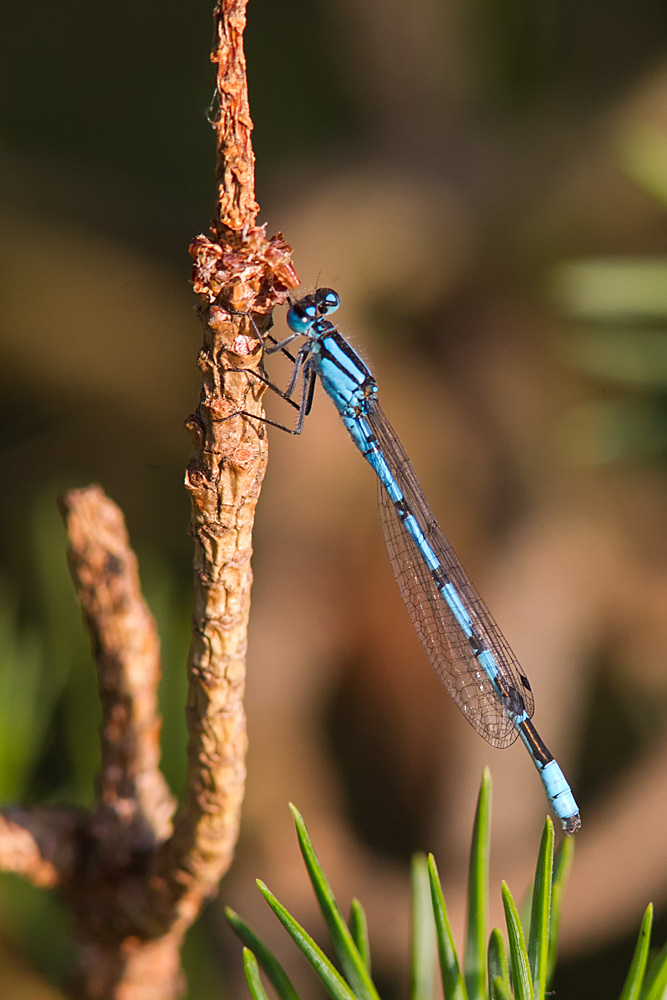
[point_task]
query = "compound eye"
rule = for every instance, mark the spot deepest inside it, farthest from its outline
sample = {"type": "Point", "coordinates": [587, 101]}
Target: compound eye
{"type": "Point", "coordinates": [302, 315]}
{"type": "Point", "coordinates": [328, 300]}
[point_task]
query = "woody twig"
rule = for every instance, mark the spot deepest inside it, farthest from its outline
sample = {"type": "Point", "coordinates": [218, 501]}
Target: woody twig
{"type": "Point", "coordinates": [134, 876]}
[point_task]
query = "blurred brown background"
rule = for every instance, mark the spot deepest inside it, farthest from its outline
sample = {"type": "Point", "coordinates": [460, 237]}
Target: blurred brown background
{"type": "Point", "coordinates": [486, 186]}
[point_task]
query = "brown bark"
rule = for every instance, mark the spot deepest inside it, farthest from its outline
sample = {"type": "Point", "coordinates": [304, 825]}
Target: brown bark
{"type": "Point", "coordinates": [133, 797]}
{"type": "Point", "coordinates": [134, 881]}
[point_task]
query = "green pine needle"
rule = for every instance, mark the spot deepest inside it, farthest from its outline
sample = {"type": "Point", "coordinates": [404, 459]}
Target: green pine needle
{"type": "Point", "coordinates": [252, 975]}
{"type": "Point", "coordinates": [453, 985]}
{"type": "Point", "coordinates": [523, 984]}
{"type": "Point", "coordinates": [478, 882]}
{"type": "Point", "coordinates": [633, 984]}
{"type": "Point", "coordinates": [359, 931]}
{"type": "Point", "coordinates": [498, 967]}
{"type": "Point", "coordinates": [501, 990]}
{"type": "Point", "coordinates": [493, 972]}
{"type": "Point", "coordinates": [353, 965]}
{"type": "Point", "coordinates": [329, 976]}
{"type": "Point", "coordinates": [263, 955]}
{"type": "Point", "coordinates": [538, 941]}
{"type": "Point", "coordinates": [655, 984]}
{"type": "Point", "coordinates": [423, 937]}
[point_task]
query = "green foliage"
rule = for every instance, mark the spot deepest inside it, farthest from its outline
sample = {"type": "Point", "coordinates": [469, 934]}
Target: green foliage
{"type": "Point", "coordinates": [618, 310]}
{"type": "Point", "coordinates": [423, 939]}
{"type": "Point", "coordinates": [25, 701]}
{"type": "Point", "coordinates": [478, 880]}
{"type": "Point", "coordinates": [42, 672]}
{"type": "Point", "coordinates": [519, 968]}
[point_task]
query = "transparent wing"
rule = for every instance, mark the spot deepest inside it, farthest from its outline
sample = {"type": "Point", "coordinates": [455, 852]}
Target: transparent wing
{"type": "Point", "coordinates": [445, 643]}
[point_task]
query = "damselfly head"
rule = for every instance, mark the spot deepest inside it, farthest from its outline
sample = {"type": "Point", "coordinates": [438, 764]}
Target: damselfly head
{"type": "Point", "coordinates": [305, 311]}
{"type": "Point", "coordinates": [302, 314]}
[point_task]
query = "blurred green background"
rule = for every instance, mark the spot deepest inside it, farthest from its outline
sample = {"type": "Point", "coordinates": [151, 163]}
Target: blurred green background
{"type": "Point", "coordinates": [486, 186]}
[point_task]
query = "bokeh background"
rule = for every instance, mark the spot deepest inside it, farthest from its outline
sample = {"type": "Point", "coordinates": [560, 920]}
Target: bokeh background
{"type": "Point", "coordinates": [485, 183]}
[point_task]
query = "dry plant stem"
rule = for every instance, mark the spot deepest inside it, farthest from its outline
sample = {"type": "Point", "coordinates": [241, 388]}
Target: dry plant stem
{"type": "Point", "coordinates": [134, 884]}
{"type": "Point", "coordinates": [134, 805]}
{"type": "Point", "coordinates": [238, 273]}
{"type": "Point", "coordinates": [236, 205]}
{"type": "Point", "coordinates": [132, 792]}
{"type": "Point", "coordinates": [40, 844]}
